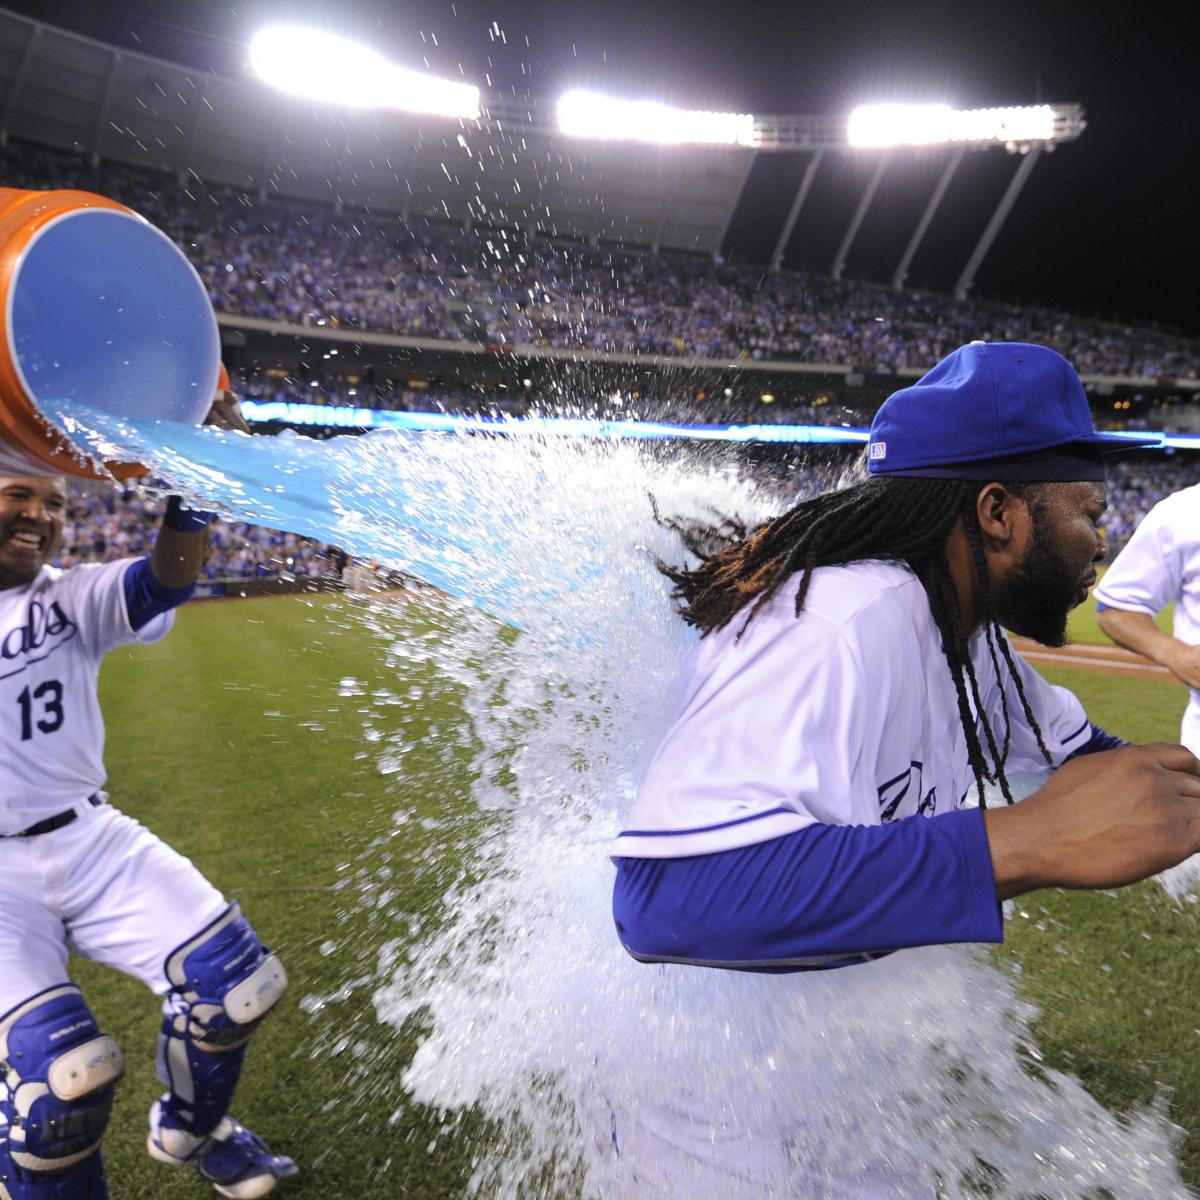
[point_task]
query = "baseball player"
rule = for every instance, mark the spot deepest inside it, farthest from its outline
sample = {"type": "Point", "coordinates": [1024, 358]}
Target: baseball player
{"type": "Point", "coordinates": [1160, 564]}
{"type": "Point", "coordinates": [810, 806]}
{"type": "Point", "coordinates": [77, 873]}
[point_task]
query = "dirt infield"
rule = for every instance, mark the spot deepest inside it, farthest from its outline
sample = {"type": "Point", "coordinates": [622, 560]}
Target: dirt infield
{"type": "Point", "coordinates": [1112, 660]}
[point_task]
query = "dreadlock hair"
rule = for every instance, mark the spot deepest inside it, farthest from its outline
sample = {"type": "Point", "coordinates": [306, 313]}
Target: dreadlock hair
{"type": "Point", "coordinates": [891, 518]}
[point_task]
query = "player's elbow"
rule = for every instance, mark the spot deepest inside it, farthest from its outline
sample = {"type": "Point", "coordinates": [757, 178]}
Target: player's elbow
{"type": "Point", "coordinates": [650, 930]}
{"type": "Point", "coordinates": [724, 909]}
{"type": "Point", "coordinates": [1118, 625]}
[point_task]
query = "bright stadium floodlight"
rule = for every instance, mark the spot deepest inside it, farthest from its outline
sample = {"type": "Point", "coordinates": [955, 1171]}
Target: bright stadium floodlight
{"type": "Point", "coordinates": [876, 126]}
{"type": "Point", "coordinates": [586, 114]}
{"type": "Point", "coordinates": [335, 70]}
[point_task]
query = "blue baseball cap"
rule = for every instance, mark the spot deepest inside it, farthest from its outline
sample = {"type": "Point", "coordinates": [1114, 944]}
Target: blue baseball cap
{"type": "Point", "coordinates": [994, 410]}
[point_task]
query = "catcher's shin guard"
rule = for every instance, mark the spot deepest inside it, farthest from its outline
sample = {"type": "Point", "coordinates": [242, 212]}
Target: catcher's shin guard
{"type": "Point", "coordinates": [223, 983]}
{"type": "Point", "coordinates": [58, 1073]}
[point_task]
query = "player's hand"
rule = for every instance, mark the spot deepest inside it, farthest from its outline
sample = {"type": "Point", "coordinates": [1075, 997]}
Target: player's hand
{"type": "Point", "coordinates": [1183, 661]}
{"type": "Point", "coordinates": [1103, 820]}
{"type": "Point", "coordinates": [226, 413]}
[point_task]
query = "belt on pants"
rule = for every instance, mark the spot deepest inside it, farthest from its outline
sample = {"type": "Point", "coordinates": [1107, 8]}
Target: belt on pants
{"type": "Point", "coordinates": [50, 824]}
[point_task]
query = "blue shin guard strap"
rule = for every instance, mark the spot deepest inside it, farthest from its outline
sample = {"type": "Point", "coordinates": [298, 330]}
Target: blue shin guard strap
{"type": "Point", "coordinates": [223, 982]}
{"type": "Point", "coordinates": [201, 1082]}
{"type": "Point", "coordinates": [227, 979]}
{"type": "Point", "coordinates": [85, 1181]}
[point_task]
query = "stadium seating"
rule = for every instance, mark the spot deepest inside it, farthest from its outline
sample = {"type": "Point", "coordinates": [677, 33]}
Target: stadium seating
{"type": "Point", "coordinates": [310, 266]}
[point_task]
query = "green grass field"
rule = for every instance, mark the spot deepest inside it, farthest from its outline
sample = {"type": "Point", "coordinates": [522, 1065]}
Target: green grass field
{"type": "Point", "coordinates": [240, 740]}
{"type": "Point", "coordinates": [235, 740]}
{"type": "Point", "coordinates": [1114, 973]}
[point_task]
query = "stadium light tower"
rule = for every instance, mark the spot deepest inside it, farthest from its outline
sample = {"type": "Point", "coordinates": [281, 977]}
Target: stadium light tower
{"type": "Point", "coordinates": [1027, 130]}
{"type": "Point", "coordinates": [335, 70]}
{"type": "Point", "coordinates": [878, 126]}
{"type": "Point", "coordinates": [586, 114]}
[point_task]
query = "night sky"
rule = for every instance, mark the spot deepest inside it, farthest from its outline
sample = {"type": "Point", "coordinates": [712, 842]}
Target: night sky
{"type": "Point", "coordinates": [1104, 226]}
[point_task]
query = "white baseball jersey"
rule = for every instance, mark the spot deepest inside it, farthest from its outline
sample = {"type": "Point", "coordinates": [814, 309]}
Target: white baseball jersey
{"type": "Point", "coordinates": [1160, 564]}
{"type": "Point", "coordinates": [53, 634]}
{"type": "Point", "coordinates": [844, 715]}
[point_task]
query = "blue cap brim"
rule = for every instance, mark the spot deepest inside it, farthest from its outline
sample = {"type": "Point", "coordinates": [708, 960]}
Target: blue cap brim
{"type": "Point", "coordinates": [1081, 460]}
{"type": "Point", "coordinates": [1110, 443]}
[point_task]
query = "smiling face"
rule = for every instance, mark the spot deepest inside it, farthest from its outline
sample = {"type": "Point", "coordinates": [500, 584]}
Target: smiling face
{"type": "Point", "coordinates": [32, 511]}
{"type": "Point", "coordinates": [1057, 564]}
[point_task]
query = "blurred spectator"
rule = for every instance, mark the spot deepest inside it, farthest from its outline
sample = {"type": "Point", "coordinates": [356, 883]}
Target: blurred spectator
{"type": "Point", "coordinates": [1136, 485]}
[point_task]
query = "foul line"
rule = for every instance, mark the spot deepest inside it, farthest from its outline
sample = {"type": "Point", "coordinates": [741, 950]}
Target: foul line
{"type": "Point", "coordinates": [1112, 659]}
{"type": "Point", "coordinates": [1075, 660]}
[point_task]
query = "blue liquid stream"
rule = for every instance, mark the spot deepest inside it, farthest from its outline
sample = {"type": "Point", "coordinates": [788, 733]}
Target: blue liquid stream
{"type": "Point", "coordinates": [465, 513]}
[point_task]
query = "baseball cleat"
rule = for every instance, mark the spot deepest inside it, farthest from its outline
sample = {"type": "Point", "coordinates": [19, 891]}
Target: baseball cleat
{"type": "Point", "coordinates": [235, 1161]}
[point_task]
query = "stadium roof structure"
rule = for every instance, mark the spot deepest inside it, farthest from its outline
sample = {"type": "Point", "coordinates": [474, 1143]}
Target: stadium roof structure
{"type": "Point", "coordinates": [510, 167]}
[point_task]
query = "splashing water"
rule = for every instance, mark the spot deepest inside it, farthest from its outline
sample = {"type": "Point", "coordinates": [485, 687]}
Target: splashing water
{"type": "Point", "coordinates": [618, 1079]}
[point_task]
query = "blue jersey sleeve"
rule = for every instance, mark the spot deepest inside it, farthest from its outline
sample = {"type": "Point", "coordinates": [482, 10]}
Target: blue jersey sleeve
{"type": "Point", "coordinates": [1098, 740]}
{"type": "Point", "coordinates": [146, 598]}
{"type": "Point", "coordinates": [825, 896]}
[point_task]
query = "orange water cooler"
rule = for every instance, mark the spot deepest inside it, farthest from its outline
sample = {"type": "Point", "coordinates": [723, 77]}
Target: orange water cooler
{"type": "Point", "coordinates": [102, 308]}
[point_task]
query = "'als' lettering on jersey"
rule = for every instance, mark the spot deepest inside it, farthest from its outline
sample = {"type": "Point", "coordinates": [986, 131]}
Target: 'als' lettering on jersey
{"type": "Point", "coordinates": [44, 630]}
{"type": "Point", "coordinates": [54, 634]}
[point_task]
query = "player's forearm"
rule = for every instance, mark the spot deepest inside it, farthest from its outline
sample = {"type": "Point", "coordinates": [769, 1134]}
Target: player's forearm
{"type": "Point", "coordinates": [1137, 632]}
{"type": "Point", "coordinates": [178, 557]}
{"type": "Point", "coordinates": [1017, 865]}
{"type": "Point", "coordinates": [181, 546]}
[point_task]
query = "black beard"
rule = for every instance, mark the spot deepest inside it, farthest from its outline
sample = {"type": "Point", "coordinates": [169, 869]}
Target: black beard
{"type": "Point", "coordinates": [1036, 597]}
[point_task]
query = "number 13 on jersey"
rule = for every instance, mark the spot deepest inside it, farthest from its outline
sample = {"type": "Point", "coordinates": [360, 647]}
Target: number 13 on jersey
{"type": "Point", "coordinates": [41, 708]}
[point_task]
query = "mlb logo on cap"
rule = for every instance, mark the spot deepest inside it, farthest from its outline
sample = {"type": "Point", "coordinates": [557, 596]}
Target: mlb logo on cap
{"type": "Point", "coordinates": [877, 450]}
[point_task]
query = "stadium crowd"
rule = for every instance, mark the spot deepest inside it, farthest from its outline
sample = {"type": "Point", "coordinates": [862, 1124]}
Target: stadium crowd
{"type": "Point", "coordinates": [1135, 487]}
{"type": "Point", "coordinates": [349, 388]}
{"type": "Point", "coordinates": [670, 400]}
{"type": "Point", "coordinates": [105, 522]}
{"type": "Point", "coordinates": [311, 266]}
